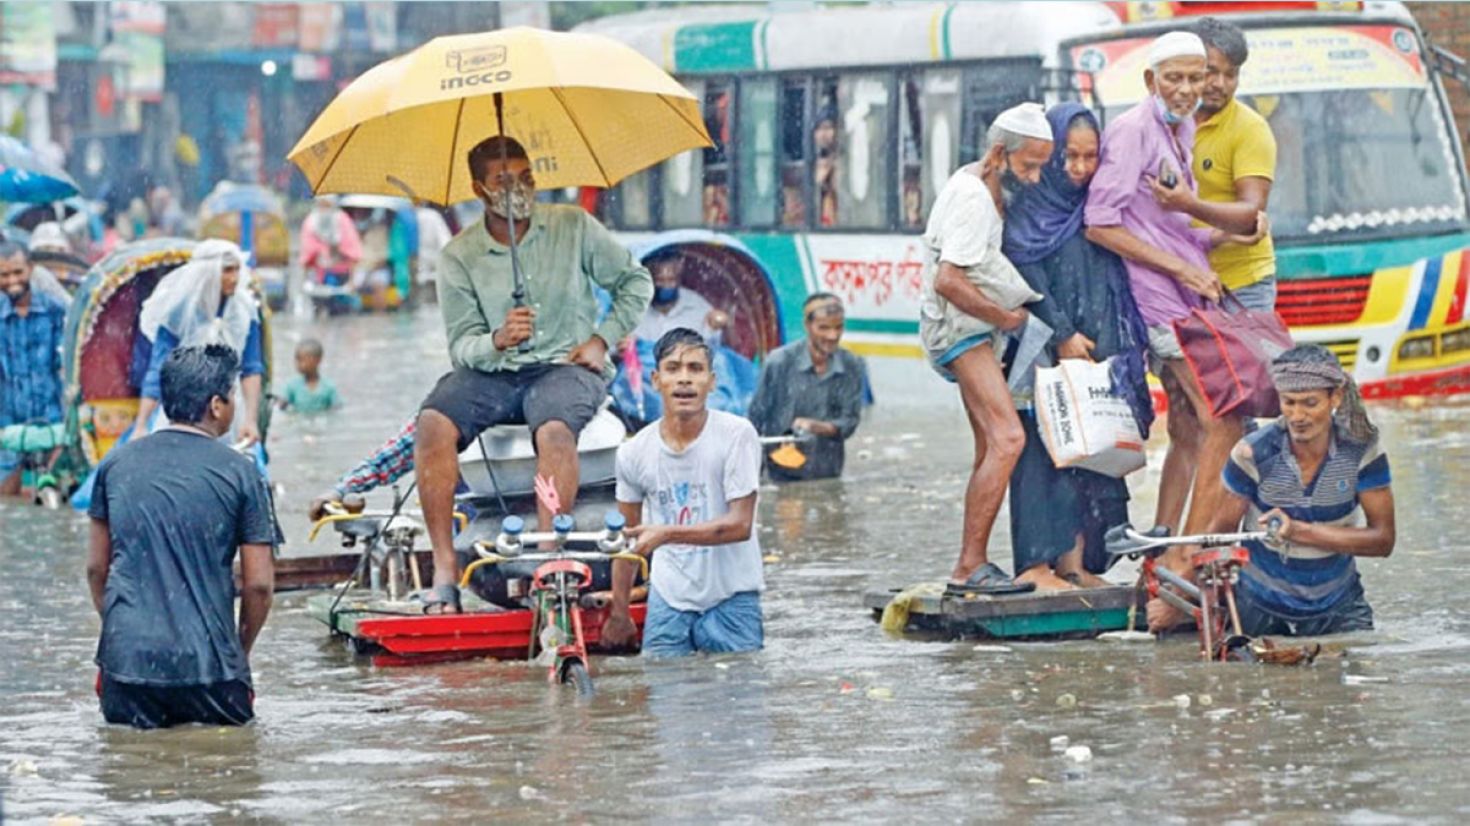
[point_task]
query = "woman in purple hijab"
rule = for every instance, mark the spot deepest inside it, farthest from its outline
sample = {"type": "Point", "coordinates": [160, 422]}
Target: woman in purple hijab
{"type": "Point", "coordinates": [1058, 517]}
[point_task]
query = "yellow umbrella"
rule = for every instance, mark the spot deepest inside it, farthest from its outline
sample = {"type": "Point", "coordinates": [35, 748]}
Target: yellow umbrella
{"type": "Point", "coordinates": [590, 111]}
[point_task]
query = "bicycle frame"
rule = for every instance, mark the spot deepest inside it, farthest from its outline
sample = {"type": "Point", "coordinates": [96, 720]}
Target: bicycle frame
{"type": "Point", "coordinates": [557, 583]}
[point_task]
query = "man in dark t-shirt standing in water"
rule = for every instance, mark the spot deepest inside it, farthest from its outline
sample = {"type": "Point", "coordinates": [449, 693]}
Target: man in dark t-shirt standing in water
{"type": "Point", "coordinates": [168, 513]}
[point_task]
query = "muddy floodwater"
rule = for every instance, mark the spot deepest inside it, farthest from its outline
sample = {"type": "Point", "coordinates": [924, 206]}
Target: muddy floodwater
{"type": "Point", "coordinates": [831, 720]}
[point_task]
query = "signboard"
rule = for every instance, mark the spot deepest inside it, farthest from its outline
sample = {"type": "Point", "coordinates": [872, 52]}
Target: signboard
{"type": "Point", "coordinates": [27, 44]}
{"type": "Point", "coordinates": [138, 29]}
{"type": "Point", "coordinates": [1297, 59]}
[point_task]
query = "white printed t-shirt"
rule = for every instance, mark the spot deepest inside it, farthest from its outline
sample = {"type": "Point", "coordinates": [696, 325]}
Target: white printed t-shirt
{"type": "Point", "coordinates": [688, 488]}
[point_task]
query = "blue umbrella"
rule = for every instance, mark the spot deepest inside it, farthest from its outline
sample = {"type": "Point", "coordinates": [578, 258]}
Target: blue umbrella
{"type": "Point", "coordinates": [26, 178]}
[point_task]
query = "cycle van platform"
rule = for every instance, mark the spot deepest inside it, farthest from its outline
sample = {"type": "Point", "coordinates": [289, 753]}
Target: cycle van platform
{"type": "Point", "coordinates": [1047, 615]}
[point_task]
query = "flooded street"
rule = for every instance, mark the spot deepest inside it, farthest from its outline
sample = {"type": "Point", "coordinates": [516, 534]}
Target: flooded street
{"type": "Point", "coordinates": [832, 720]}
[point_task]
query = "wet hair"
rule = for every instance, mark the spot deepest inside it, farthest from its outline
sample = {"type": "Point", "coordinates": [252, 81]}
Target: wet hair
{"type": "Point", "coordinates": [10, 249]}
{"type": "Point", "coordinates": [1081, 121]}
{"type": "Point", "coordinates": [192, 376]}
{"type": "Point", "coordinates": [819, 298]}
{"type": "Point", "coordinates": [680, 337]}
{"type": "Point", "coordinates": [1230, 40]}
{"type": "Point", "coordinates": [309, 347]}
{"type": "Point", "coordinates": [493, 149]}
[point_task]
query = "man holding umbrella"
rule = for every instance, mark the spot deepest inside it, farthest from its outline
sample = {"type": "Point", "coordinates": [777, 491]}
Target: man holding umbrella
{"type": "Point", "coordinates": [538, 359]}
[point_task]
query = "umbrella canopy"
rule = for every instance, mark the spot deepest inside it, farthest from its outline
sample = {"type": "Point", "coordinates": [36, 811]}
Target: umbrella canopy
{"type": "Point", "coordinates": [26, 178]}
{"type": "Point", "coordinates": [241, 198]}
{"type": "Point", "coordinates": [589, 110]}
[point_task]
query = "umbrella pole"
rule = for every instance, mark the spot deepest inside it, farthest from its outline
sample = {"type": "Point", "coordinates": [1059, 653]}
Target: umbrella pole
{"type": "Point", "coordinates": [518, 293]}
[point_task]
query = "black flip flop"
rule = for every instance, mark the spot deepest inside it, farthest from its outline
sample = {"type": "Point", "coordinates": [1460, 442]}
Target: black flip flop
{"type": "Point", "coordinates": [988, 579]}
{"type": "Point", "coordinates": [439, 595]}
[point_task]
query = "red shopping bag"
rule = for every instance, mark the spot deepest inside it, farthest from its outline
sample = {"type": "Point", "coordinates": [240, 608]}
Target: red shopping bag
{"type": "Point", "coordinates": [1229, 350]}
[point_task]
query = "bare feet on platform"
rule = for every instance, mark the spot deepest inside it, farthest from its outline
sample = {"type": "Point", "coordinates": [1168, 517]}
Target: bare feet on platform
{"type": "Point", "coordinates": [1044, 579]}
{"type": "Point", "coordinates": [1084, 579]}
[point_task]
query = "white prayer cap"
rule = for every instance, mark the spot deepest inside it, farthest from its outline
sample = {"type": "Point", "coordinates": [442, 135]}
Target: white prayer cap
{"type": "Point", "coordinates": [1175, 44]}
{"type": "Point", "coordinates": [1027, 120]}
{"type": "Point", "coordinates": [49, 237]}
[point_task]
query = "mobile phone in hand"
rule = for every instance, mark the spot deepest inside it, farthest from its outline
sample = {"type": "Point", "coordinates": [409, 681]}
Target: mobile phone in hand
{"type": "Point", "coordinates": [1167, 175]}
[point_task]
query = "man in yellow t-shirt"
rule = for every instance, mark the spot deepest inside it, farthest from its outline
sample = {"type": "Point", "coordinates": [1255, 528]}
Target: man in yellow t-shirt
{"type": "Point", "coordinates": [1234, 164]}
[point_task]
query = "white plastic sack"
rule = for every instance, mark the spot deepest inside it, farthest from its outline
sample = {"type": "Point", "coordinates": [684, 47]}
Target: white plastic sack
{"type": "Point", "coordinates": [1083, 423]}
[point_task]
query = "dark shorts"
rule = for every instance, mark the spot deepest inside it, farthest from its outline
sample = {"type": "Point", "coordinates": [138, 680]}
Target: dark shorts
{"type": "Point", "coordinates": [1051, 505]}
{"type": "Point", "coordinates": [532, 396]}
{"type": "Point", "coordinates": [229, 703]}
{"type": "Point", "coordinates": [1351, 613]}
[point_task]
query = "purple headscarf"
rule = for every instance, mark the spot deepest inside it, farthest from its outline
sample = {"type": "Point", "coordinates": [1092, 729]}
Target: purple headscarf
{"type": "Point", "coordinates": [1044, 216]}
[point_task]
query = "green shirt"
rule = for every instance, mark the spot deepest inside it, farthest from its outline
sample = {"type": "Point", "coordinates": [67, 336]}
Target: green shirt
{"type": "Point", "coordinates": [564, 252]}
{"type": "Point", "coordinates": [304, 399]}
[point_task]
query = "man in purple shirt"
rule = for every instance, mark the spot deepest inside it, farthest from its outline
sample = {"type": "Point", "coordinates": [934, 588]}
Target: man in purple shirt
{"type": "Point", "coordinates": [1144, 150]}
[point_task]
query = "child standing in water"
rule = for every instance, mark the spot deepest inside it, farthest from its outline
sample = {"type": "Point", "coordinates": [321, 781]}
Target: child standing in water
{"type": "Point", "coordinates": [308, 391]}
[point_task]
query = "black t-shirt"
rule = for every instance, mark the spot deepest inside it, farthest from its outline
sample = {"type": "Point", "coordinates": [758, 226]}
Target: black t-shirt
{"type": "Point", "coordinates": [178, 506]}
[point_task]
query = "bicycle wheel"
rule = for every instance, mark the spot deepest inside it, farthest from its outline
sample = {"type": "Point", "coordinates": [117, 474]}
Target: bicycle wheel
{"type": "Point", "coordinates": [574, 673]}
{"type": "Point", "coordinates": [50, 498]}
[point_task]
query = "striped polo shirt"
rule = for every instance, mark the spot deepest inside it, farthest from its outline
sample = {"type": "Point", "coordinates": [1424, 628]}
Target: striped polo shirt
{"type": "Point", "coordinates": [1302, 581]}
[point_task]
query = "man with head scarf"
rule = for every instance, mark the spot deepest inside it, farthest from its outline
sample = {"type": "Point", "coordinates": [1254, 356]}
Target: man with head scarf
{"type": "Point", "coordinates": [1144, 149]}
{"type": "Point", "coordinates": [206, 301]}
{"type": "Point", "coordinates": [1312, 478]}
{"type": "Point", "coordinates": [971, 297]}
{"type": "Point", "coordinates": [812, 387]}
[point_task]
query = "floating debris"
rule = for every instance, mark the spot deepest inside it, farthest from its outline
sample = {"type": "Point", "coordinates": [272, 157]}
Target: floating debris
{"type": "Point", "coordinates": [1066, 701]}
{"type": "Point", "coordinates": [1078, 754]}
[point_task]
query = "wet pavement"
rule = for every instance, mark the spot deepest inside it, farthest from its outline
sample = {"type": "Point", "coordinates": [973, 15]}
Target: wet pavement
{"type": "Point", "coordinates": [832, 720]}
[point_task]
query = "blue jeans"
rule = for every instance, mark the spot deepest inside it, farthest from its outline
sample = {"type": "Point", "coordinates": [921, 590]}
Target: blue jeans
{"type": "Point", "coordinates": [733, 625]}
{"type": "Point", "coordinates": [1258, 296]}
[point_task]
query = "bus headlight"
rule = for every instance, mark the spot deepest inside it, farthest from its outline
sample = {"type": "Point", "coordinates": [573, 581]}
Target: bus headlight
{"type": "Point", "coordinates": [1455, 342]}
{"type": "Point", "coordinates": [1417, 348]}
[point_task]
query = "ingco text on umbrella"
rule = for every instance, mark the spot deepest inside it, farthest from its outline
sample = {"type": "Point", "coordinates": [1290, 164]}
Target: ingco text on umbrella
{"type": "Point", "coordinates": [475, 67]}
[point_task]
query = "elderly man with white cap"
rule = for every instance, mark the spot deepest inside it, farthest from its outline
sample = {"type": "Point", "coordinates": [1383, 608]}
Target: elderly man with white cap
{"type": "Point", "coordinates": [1168, 266]}
{"type": "Point", "coordinates": [972, 305]}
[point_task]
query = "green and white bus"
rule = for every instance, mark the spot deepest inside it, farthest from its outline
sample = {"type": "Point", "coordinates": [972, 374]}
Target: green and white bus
{"type": "Point", "coordinates": [836, 127]}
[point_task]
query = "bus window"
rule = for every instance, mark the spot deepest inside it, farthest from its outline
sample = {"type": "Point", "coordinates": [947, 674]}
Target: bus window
{"type": "Point", "coordinates": [682, 180]}
{"type": "Point", "coordinates": [793, 153]}
{"type": "Point", "coordinates": [757, 148]}
{"type": "Point", "coordinates": [716, 201]}
{"type": "Point", "coordinates": [862, 165]}
{"type": "Point", "coordinates": [938, 131]}
{"type": "Point", "coordinates": [827, 151]}
{"type": "Point", "coordinates": [635, 201]}
{"type": "Point", "coordinates": [910, 154]}
{"type": "Point", "coordinates": [990, 89]}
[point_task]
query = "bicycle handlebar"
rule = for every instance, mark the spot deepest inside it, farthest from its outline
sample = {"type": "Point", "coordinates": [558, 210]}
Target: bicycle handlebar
{"type": "Point", "coordinates": [1124, 539]}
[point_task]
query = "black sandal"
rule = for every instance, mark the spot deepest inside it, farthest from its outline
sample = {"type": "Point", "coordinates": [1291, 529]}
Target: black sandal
{"type": "Point", "coordinates": [988, 579]}
{"type": "Point", "coordinates": [439, 595]}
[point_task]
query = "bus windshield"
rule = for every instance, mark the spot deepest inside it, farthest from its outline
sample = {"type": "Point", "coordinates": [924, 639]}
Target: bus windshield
{"type": "Point", "coordinates": [1361, 163]}
{"type": "Point", "coordinates": [1364, 149]}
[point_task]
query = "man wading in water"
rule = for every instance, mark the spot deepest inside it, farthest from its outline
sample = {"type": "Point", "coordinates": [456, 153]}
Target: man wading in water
{"type": "Point", "coordinates": [169, 512]}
